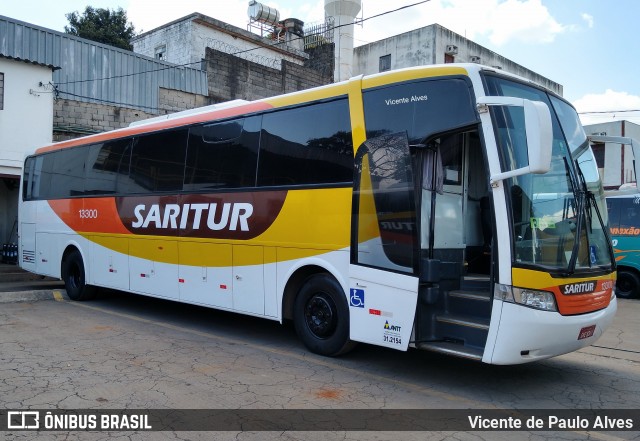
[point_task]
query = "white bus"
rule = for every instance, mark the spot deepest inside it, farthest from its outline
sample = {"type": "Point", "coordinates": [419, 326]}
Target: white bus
{"type": "Point", "coordinates": [401, 209]}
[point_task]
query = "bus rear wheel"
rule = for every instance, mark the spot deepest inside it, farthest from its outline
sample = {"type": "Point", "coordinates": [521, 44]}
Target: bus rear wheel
{"type": "Point", "coordinates": [321, 316]}
{"type": "Point", "coordinates": [73, 276]}
{"type": "Point", "coordinates": [628, 284]}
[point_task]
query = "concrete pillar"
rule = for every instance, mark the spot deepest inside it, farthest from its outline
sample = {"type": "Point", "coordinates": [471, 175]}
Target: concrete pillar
{"type": "Point", "coordinates": [344, 13]}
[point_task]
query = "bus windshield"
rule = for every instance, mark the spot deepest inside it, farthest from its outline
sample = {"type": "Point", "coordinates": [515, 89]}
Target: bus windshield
{"type": "Point", "coordinates": [558, 219]}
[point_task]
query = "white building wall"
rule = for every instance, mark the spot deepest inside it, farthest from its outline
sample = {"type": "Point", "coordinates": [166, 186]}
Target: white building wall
{"type": "Point", "coordinates": [186, 41]}
{"type": "Point", "coordinates": [413, 48]}
{"type": "Point", "coordinates": [428, 45]}
{"type": "Point", "coordinates": [177, 40]}
{"type": "Point", "coordinates": [26, 121]}
{"type": "Point", "coordinates": [204, 36]}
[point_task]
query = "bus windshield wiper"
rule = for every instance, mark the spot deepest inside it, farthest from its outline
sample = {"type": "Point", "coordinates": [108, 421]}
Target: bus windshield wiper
{"type": "Point", "coordinates": [586, 202]}
{"type": "Point", "coordinates": [594, 203]}
{"type": "Point", "coordinates": [580, 199]}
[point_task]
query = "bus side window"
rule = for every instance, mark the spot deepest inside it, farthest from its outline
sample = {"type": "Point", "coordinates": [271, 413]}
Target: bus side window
{"type": "Point", "coordinates": [221, 155]}
{"type": "Point", "coordinates": [28, 180]}
{"type": "Point", "coordinates": [613, 208]}
{"type": "Point", "coordinates": [58, 175]}
{"type": "Point", "coordinates": [104, 163]}
{"type": "Point", "coordinates": [157, 162]}
{"type": "Point", "coordinates": [67, 179]}
{"type": "Point", "coordinates": [421, 108]}
{"type": "Point", "coordinates": [307, 145]}
{"type": "Point", "coordinates": [629, 214]}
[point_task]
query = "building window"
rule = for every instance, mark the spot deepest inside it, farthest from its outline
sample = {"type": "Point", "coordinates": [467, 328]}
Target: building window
{"type": "Point", "coordinates": [448, 58]}
{"type": "Point", "coordinates": [598, 153]}
{"type": "Point", "coordinates": [161, 52]}
{"type": "Point", "coordinates": [1, 91]}
{"type": "Point", "coordinates": [385, 63]}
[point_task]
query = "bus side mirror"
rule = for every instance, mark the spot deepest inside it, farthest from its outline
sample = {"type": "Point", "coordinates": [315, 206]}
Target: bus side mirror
{"type": "Point", "coordinates": [538, 129]}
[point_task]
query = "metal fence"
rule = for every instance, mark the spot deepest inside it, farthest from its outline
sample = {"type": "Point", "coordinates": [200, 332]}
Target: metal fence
{"type": "Point", "coordinates": [317, 34]}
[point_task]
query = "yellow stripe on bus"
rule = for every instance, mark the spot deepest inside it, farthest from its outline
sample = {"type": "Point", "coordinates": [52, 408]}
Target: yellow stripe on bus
{"type": "Point", "coordinates": [308, 96]}
{"type": "Point", "coordinates": [356, 111]}
{"type": "Point", "coordinates": [312, 221]}
{"type": "Point", "coordinates": [410, 74]}
{"type": "Point", "coordinates": [541, 279]}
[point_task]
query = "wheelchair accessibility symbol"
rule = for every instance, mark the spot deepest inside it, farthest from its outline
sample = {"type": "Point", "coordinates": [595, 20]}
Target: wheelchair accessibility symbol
{"type": "Point", "coordinates": [356, 298]}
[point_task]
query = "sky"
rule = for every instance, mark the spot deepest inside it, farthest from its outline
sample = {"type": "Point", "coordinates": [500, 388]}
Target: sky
{"type": "Point", "coordinates": [591, 47]}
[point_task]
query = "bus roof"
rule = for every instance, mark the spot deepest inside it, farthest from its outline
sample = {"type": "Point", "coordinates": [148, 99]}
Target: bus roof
{"type": "Point", "coordinates": [240, 107]}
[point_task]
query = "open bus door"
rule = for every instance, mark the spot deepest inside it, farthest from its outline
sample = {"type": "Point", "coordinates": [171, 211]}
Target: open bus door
{"type": "Point", "coordinates": [624, 215]}
{"type": "Point", "coordinates": [635, 147]}
{"type": "Point", "coordinates": [383, 286]}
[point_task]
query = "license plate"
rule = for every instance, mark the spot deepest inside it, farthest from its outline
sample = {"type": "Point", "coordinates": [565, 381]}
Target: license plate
{"type": "Point", "coordinates": [586, 332]}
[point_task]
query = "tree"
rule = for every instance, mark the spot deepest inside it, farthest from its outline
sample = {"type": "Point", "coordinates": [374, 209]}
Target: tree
{"type": "Point", "coordinates": [102, 25]}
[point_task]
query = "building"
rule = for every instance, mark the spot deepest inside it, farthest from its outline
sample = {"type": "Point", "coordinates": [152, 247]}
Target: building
{"type": "Point", "coordinates": [184, 41]}
{"type": "Point", "coordinates": [55, 86]}
{"type": "Point", "coordinates": [435, 44]}
{"type": "Point", "coordinates": [241, 64]}
{"type": "Point", "coordinates": [26, 118]}
{"type": "Point", "coordinates": [615, 161]}
{"type": "Point", "coordinates": [99, 87]}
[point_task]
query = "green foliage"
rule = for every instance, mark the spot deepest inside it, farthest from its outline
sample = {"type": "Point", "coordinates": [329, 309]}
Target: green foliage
{"type": "Point", "coordinates": [102, 25]}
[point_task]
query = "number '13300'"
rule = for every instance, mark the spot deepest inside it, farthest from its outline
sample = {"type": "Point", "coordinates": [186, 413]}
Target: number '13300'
{"type": "Point", "coordinates": [88, 214]}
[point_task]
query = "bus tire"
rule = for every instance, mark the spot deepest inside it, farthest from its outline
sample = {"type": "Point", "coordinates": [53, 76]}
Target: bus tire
{"type": "Point", "coordinates": [628, 284]}
{"type": "Point", "coordinates": [321, 316]}
{"type": "Point", "coordinates": [73, 275]}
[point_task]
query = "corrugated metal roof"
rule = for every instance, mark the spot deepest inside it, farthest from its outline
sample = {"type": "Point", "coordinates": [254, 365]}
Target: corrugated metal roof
{"type": "Point", "coordinates": [94, 72]}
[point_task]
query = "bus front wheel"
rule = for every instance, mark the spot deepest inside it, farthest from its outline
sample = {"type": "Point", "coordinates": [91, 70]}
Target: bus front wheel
{"type": "Point", "coordinates": [628, 284]}
{"type": "Point", "coordinates": [321, 316]}
{"type": "Point", "coordinates": [73, 276]}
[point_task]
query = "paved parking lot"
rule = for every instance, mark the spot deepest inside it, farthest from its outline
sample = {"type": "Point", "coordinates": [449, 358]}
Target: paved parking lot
{"type": "Point", "coordinates": [128, 351]}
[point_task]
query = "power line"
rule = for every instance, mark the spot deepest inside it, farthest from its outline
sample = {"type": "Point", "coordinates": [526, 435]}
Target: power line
{"type": "Point", "coordinates": [243, 51]}
{"type": "Point", "coordinates": [389, 12]}
{"type": "Point", "coordinates": [108, 101]}
{"type": "Point", "coordinates": [129, 75]}
{"type": "Point", "coordinates": [609, 111]}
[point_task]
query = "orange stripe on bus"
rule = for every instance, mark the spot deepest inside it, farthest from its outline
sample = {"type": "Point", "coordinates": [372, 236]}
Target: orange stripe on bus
{"type": "Point", "coordinates": [106, 219]}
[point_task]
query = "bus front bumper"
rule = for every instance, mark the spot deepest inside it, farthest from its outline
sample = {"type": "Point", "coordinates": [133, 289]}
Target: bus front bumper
{"type": "Point", "coordinates": [526, 334]}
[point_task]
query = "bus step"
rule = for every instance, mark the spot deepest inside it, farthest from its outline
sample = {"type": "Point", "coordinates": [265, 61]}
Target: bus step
{"type": "Point", "coordinates": [451, 348]}
{"type": "Point", "coordinates": [474, 282]}
{"type": "Point", "coordinates": [471, 295]}
{"type": "Point", "coordinates": [469, 303]}
{"type": "Point", "coordinates": [472, 331]}
{"type": "Point", "coordinates": [468, 322]}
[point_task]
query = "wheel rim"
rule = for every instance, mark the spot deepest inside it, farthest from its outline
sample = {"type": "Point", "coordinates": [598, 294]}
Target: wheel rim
{"type": "Point", "coordinates": [320, 315]}
{"type": "Point", "coordinates": [75, 276]}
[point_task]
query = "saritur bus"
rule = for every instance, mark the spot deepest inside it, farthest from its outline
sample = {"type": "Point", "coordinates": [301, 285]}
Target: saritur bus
{"type": "Point", "coordinates": [400, 209]}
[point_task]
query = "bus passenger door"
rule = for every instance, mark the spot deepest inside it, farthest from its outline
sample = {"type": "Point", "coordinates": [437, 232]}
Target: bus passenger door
{"type": "Point", "coordinates": [383, 286]}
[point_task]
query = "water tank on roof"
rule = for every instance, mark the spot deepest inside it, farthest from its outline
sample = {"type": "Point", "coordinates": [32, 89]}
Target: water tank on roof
{"type": "Point", "coordinates": [262, 13]}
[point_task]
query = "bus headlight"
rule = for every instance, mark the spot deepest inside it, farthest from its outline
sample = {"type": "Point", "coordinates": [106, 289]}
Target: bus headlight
{"type": "Point", "coordinates": [613, 290]}
{"type": "Point", "coordinates": [543, 300]}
